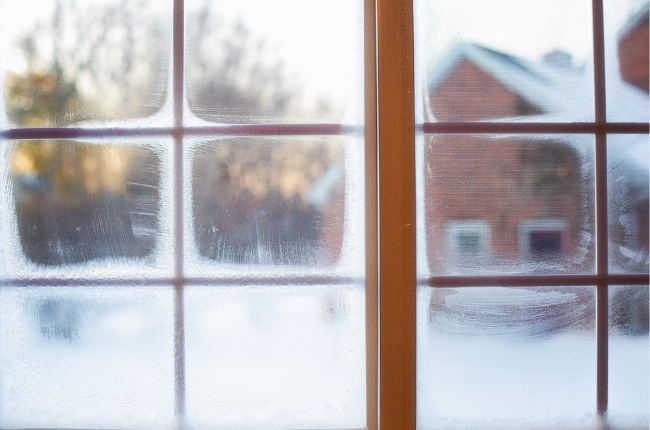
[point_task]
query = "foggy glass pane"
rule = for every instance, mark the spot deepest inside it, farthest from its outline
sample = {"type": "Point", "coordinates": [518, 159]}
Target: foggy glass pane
{"type": "Point", "coordinates": [626, 60]}
{"type": "Point", "coordinates": [84, 204]}
{"type": "Point", "coordinates": [628, 178]}
{"type": "Point", "coordinates": [628, 357]}
{"type": "Point", "coordinates": [275, 357]}
{"type": "Point", "coordinates": [480, 60]}
{"type": "Point", "coordinates": [86, 357]}
{"type": "Point", "coordinates": [516, 204]}
{"type": "Point", "coordinates": [68, 62]}
{"type": "Point", "coordinates": [506, 358]}
{"type": "Point", "coordinates": [269, 201]}
{"type": "Point", "coordinates": [254, 61]}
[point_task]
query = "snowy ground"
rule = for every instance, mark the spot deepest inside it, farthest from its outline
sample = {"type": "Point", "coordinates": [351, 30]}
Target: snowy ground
{"type": "Point", "coordinates": [293, 357]}
{"type": "Point", "coordinates": [261, 357]}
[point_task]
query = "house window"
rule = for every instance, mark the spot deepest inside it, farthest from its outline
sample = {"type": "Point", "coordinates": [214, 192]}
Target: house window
{"type": "Point", "coordinates": [542, 239]}
{"type": "Point", "coordinates": [468, 239]}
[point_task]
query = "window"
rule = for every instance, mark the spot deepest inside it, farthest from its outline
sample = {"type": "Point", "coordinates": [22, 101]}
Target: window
{"type": "Point", "coordinates": [542, 238]}
{"type": "Point", "coordinates": [279, 263]}
{"type": "Point", "coordinates": [468, 239]}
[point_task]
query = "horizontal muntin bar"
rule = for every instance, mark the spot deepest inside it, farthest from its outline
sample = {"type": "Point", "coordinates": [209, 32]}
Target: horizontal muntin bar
{"type": "Point", "coordinates": [534, 280]}
{"type": "Point", "coordinates": [229, 281]}
{"type": "Point", "coordinates": [208, 131]}
{"type": "Point", "coordinates": [533, 128]}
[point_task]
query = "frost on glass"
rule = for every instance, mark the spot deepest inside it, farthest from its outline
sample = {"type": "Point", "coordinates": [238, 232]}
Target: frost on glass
{"type": "Point", "coordinates": [493, 204]}
{"type": "Point", "coordinates": [70, 62]}
{"type": "Point", "coordinates": [628, 184]}
{"type": "Point", "coordinates": [626, 60]}
{"type": "Point", "coordinates": [86, 357]}
{"type": "Point", "coordinates": [628, 357]}
{"type": "Point", "coordinates": [275, 357]}
{"type": "Point", "coordinates": [483, 60]}
{"type": "Point", "coordinates": [269, 201]}
{"type": "Point", "coordinates": [506, 358]}
{"type": "Point", "coordinates": [83, 204]}
{"type": "Point", "coordinates": [285, 61]}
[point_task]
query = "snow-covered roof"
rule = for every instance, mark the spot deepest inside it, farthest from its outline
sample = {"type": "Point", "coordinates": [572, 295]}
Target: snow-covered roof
{"type": "Point", "coordinates": [548, 86]}
{"type": "Point", "coordinates": [634, 20]}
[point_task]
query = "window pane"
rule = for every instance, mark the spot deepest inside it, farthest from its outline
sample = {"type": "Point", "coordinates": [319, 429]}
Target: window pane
{"type": "Point", "coordinates": [479, 60]}
{"type": "Point", "coordinates": [275, 357]}
{"type": "Point", "coordinates": [506, 358]}
{"type": "Point", "coordinates": [628, 171]}
{"type": "Point", "coordinates": [497, 204]}
{"type": "Point", "coordinates": [276, 204]}
{"type": "Point", "coordinates": [628, 357]}
{"type": "Point", "coordinates": [86, 357]}
{"type": "Point", "coordinates": [86, 208]}
{"type": "Point", "coordinates": [253, 61]}
{"type": "Point", "coordinates": [626, 56]}
{"type": "Point", "coordinates": [68, 62]}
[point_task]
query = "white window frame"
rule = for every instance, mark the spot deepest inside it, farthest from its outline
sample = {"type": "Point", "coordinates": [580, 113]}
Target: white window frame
{"type": "Point", "coordinates": [453, 229]}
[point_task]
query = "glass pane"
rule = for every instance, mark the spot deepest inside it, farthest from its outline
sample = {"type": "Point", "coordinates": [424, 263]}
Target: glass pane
{"type": "Point", "coordinates": [479, 60]}
{"type": "Point", "coordinates": [255, 61]}
{"type": "Point", "coordinates": [628, 357]}
{"type": "Point", "coordinates": [85, 208]}
{"type": "Point", "coordinates": [273, 203]}
{"type": "Point", "coordinates": [86, 357]}
{"type": "Point", "coordinates": [497, 204]}
{"type": "Point", "coordinates": [506, 358]}
{"type": "Point", "coordinates": [628, 171]}
{"type": "Point", "coordinates": [626, 57]}
{"type": "Point", "coordinates": [70, 62]}
{"type": "Point", "coordinates": [275, 357]}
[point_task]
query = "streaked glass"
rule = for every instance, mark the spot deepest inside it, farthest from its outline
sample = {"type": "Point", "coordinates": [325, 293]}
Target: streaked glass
{"type": "Point", "coordinates": [78, 208]}
{"type": "Point", "coordinates": [626, 60]}
{"type": "Point", "coordinates": [628, 170]}
{"type": "Point", "coordinates": [494, 357]}
{"type": "Point", "coordinates": [84, 63]}
{"type": "Point", "coordinates": [256, 61]}
{"type": "Point", "coordinates": [628, 357]}
{"type": "Point", "coordinates": [275, 357]}
{"type": "Point", "coordinates": [505, 204]}
{"type": "Point", "coordinates": [86, 357]}
{"type": "Point", "coordinates": [275, 204]}
{"type": "Point", "coordinates": [508, 59]}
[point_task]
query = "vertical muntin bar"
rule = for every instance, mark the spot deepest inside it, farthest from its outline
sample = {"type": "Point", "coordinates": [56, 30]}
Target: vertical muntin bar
{"type": "Point", "coordinates": [600, 114]}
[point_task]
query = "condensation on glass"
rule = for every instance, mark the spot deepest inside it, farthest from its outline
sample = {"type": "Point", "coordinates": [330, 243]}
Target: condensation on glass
{"type": "Point", "coordinates": [86, 357]}
{"type": "Point", "coordinates": [628, 356]}
{"type": "Point", "coordinates": [286, 61]}
{"type": "Point", "coordinates": [100, 235]}
{"type": "Point", "coordinates": [269, 201]}
{"type": "Point", "coordinates": [626, 60]}
{"type": "Point", "coordinates": [496, 357]}
{"type": "Point", "coordinates": [628, 173]}
{"type": "Point", "coordinates": [281, 205]}
{"type": "Point", "coordinates": [67, 62]}
{"type": "Point", "coordinates": [275, 357]}
{"type": "Point", "coordinates": [505, 204]}
{"type": "Point", "coordinates": [535, 64]}
{"type": "Point", "coordinates": [98, 207]}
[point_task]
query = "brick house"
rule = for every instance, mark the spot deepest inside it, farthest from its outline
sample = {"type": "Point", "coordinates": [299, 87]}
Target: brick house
{"type": "Point", "coordinates": [496, 202]}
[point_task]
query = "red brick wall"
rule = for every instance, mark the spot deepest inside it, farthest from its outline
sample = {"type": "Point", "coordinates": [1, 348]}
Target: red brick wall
{"type": "Point", "coordinates": [470, 94]}
{"type": "Point", "coordinates": [505, 183]}
{"type": "Point", "coordinates": [633, 56]}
